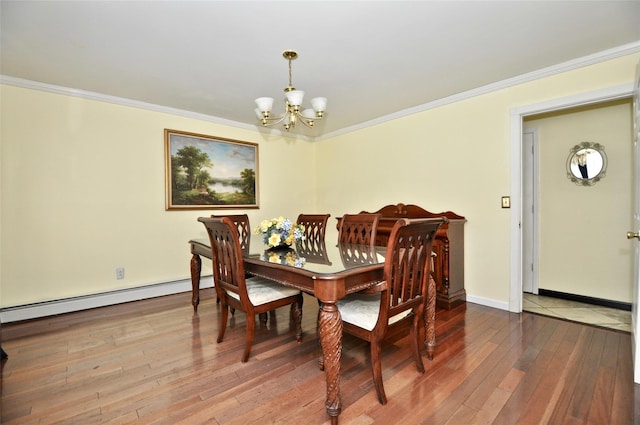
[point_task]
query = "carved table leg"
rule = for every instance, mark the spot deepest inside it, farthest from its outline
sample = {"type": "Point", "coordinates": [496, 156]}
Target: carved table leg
{"type": "Point", "coordinates": [196, 267]}
{"type": "Point", "coordinates": [331, 341]}
{"type": "Point", "coordinates": [430, 319]}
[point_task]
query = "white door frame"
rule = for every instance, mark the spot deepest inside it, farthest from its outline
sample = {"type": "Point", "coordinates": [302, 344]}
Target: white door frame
{"type": "Point", "coordinates": [636, 227]}
{"type": "Point", "coordinates": [515, 135]}
{"type": "Point", "coordinates": [530, 211]}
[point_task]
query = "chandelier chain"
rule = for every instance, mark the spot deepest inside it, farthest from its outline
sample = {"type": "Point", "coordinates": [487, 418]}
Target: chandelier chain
{"type": "Point", "coordinates": [290, 84]}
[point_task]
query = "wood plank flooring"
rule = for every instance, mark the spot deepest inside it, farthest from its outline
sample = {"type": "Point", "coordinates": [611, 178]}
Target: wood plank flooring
{"type": "Point", "coordinates": [155, 362]}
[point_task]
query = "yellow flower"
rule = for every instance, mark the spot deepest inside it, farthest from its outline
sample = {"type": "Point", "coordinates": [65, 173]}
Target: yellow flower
{"type": "Point", "coordinates": [289, 240]}
{"type": "Point", "coordinates": [279, 221]}
{"type": "Point", "coordinates": [264, 225]}
{"type": "Point", "coordinates": [274, 239]}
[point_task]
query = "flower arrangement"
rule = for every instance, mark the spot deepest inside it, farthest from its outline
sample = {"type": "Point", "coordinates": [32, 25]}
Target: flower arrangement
{"type": "Point", "coordinates": [280, 231]}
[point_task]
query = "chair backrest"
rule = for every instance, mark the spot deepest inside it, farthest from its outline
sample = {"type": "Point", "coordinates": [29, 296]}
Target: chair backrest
{"type": "Point", "coordinates": [407, 266]}
{"type": "Point", "coordinates": [228, 267]}
{"type": "Point", "coordinates": [314, 225]}
{"type": "Point", "coordinates": [359, 229]}
{"type": "Point", "coordinates": [313, 247]}
{"type": "Point", "coordinates": [241, 221]}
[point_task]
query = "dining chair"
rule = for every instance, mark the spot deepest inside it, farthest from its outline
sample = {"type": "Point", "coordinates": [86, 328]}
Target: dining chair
{"type": "Point", "coordinates": [397, 304]}
{"type": "Point", "coordinates": [241, 221]}
{"type": "Point", "coordinates": [253, 295]}
{"type": "Point", "coordinates": [313, 247]}
{"type": "Point", "coordinates": [358, 229]}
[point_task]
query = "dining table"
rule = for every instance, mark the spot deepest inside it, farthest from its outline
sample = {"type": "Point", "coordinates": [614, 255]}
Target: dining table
{"type": "Point", "coordinates": [328, 271]}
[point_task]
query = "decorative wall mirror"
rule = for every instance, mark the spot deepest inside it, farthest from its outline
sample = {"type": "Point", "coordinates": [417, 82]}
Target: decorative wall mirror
{"type": "Point", "coordinates": [586, 164]}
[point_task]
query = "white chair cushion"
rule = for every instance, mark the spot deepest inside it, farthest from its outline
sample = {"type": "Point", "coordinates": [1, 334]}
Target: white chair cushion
{"type": "Point", "coordinates": [362, 310]}
{"type": "Point", "coordinates": [262, 291]}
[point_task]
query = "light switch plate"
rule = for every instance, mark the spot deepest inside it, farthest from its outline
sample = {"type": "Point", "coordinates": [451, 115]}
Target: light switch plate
{"type": "Point", "coordinates": [506, 202]}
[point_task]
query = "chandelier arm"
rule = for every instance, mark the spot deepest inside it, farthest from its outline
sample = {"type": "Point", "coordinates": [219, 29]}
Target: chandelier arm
{"type": "Point", "coordinates": [304, 120]}
{"type": "Point", "coordinates": [274, 120]}
{"type": "Point", "coordinates": [309, 125]}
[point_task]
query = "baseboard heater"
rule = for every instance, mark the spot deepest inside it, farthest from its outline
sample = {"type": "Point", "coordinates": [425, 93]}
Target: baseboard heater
{"type": "Point", "coordinates": [584, 299]}
{"type": "Point", "coordinates": [103, 299]}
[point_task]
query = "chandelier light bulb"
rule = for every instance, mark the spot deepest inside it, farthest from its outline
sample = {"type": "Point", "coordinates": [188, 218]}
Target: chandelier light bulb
{"type": "Point", "coordinates": [265, 104]}
{"type": "Point", "coordinates": [295, 97]}
{"type": "Point", "coordinates": [309, 114]}
{"type": "Point", "coordinates": [319, 104]}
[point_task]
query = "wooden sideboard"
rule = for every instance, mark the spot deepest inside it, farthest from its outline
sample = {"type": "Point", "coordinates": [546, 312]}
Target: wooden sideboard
{"type": "Point", "coordinates": [449, 248]}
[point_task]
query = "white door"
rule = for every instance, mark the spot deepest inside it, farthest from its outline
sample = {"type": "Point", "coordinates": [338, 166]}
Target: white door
{"type": "Point", "coordinates": [633, 234]}
{"type": "Point", "coordinates": [529, 212]}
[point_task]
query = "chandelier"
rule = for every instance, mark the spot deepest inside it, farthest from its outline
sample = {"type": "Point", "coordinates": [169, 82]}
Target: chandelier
{"type": "Point", "coordinates": [293, 111]}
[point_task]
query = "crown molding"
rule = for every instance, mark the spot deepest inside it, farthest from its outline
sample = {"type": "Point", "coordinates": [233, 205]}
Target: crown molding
{"type": "Point", "coordinates": [595, 58]}
{"type": "Point", "coordinates": [83, 94]}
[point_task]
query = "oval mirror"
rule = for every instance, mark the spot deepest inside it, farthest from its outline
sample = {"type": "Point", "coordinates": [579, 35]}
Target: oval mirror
{"type": "Point", "coordinates": [586, 164]}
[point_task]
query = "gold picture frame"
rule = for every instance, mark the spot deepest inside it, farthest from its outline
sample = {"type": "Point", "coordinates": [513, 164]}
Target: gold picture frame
{"type": "Point", "coordinates": [207, 172]}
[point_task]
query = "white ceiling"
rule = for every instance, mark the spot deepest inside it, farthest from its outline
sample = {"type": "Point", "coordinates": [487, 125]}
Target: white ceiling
{"type": "Point", "coordinates": [371, 59]}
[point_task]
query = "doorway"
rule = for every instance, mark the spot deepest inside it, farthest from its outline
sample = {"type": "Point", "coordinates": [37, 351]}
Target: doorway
{"type": "Point", "coordinates": [516, 132]}
{"type": "Point", "coordinates": [578, 233]}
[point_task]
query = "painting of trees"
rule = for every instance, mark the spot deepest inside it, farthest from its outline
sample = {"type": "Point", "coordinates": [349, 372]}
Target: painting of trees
{"type": "Point", "coordinates": [192, 161]}
{"type": "Point", "coordinates": [205, 172]}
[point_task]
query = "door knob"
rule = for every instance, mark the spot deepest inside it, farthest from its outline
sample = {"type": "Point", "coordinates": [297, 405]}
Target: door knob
{"type": "Point", "coordinates": [631, 235]}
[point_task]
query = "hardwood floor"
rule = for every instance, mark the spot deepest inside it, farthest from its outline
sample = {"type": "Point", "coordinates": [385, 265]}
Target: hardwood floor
{"type": "Point", "coordinates": [155, 362]}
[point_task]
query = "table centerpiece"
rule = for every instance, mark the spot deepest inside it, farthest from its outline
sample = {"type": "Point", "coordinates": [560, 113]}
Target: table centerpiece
{"type": "Point", "coordinates": [280, 233]}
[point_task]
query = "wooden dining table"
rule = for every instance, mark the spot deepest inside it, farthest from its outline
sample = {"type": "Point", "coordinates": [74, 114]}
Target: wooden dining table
{"type": "Point", "coordinates": [329, 277]}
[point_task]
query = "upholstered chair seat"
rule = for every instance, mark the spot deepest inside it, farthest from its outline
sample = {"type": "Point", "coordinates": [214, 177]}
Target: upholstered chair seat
{"type": "Point", "coordinates": [363, 310]}
{"type": "Point", "coordinates": [262, 291]}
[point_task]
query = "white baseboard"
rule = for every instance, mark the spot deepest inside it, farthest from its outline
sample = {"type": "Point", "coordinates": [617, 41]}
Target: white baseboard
{"type": "Point", "coordinates": [502, 305]}
{"type": "Point", "coordinates": [68, 305]}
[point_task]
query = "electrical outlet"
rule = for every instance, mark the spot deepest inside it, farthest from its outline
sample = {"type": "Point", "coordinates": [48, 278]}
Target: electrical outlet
{"type": "Point", "coordinates": [120, 273]}
{"type": "Point", "coordinates": [506, 202]}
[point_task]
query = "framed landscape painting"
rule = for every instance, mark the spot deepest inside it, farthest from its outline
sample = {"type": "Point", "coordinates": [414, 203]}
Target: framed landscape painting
{"type": "Point", "coordinates": [206, 172]}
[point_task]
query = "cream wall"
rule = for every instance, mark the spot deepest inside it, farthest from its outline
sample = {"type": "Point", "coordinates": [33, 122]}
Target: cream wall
{"type": "Point", "coordinates": [455, 157]}
{"type": "Point", "coordinates": [582, 245]}
{"type": "Point", "coordinates": [83, 193]}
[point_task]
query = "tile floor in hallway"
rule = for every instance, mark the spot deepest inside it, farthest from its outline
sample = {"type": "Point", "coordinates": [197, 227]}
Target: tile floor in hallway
{"type": "Point", "coordinates": [578, 312]}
